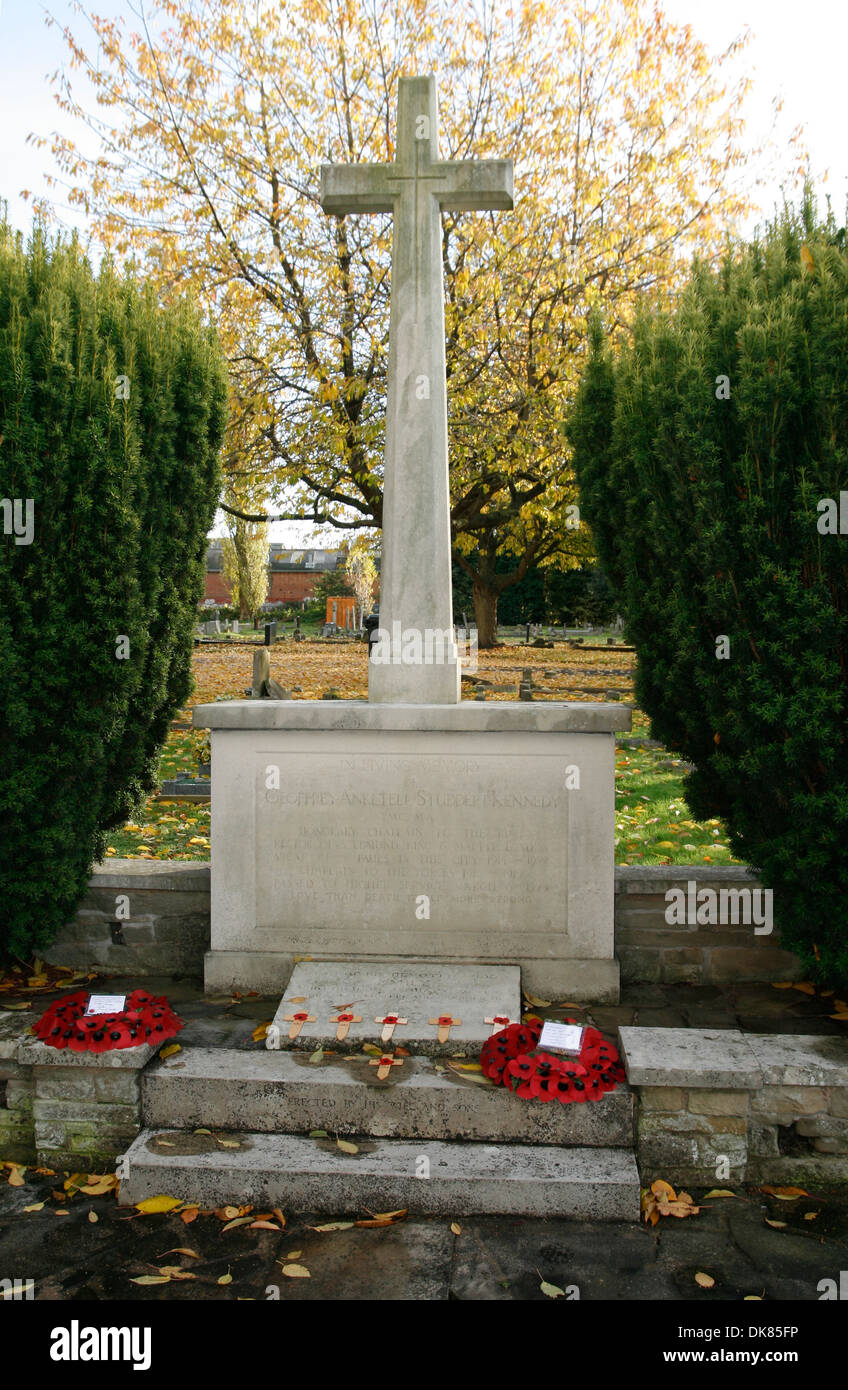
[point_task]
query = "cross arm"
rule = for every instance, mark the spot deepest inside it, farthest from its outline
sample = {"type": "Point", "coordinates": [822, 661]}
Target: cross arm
{"type": "Point", "coordinates": [476, 185]}
{"type": "Point", "coordinates": [355, 188]}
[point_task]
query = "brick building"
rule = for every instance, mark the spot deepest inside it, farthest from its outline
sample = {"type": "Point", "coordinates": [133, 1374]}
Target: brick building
{"type": "Point", "coordinates": [292, 574]}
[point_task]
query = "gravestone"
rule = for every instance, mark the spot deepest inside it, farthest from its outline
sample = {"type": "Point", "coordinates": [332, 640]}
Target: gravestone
{"type": "Point", "coordinates": [415, 828]}
{"type": "Point", "coordinates": [236, 626]}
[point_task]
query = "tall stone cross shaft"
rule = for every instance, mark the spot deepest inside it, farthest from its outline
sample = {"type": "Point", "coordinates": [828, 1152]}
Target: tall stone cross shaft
{"type": "Point", "coordinates": [415, 583]}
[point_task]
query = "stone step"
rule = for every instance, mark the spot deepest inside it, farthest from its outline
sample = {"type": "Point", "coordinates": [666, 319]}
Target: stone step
{"type": "Point", "coordinates": [283, 1092]}
{"type": "Point", "coordinates": [431, 1178]}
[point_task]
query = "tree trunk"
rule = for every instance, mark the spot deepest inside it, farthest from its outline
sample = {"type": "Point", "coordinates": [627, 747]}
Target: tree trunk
{"type": "Point", "coordinates": [486, 613]}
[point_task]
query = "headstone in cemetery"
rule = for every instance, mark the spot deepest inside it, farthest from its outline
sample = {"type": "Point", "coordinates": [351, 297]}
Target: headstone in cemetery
{"type": "Point", "coordinates": [236, 626]}
{"type": "Point", "coordinates": [270, 633]}
{"type": "Point", "coordinates": [412, 827]}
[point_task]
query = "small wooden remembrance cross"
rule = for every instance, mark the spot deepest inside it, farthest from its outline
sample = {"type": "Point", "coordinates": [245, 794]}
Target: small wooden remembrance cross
{"type": "Point", "coordinates": [390, 1022]}
{"type": "Point", "coordinates": [498, 1022]}
{"type": "Point", "coordinates": [384, 1064]}
{"type": "Point", "coordinates": [344, 1021]}
{"type": "Point", "coordinates": [445, 1023]}
{"type": "Point", "coordinates": [297, 1021]}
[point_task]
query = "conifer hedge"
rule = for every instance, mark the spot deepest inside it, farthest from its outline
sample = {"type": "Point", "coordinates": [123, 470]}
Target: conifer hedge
{"type": "Point", "coordinates": [711, 448]}
{"type": "Point", "coordinates": [112, 411]}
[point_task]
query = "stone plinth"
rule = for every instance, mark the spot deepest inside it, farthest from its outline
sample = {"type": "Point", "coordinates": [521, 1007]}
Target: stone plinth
{"type": "Point", "coordinates": [462, 833]}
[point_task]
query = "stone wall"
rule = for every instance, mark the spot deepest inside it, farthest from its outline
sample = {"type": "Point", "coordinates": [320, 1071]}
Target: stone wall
{"type": "Point", "coordinates": [721, 1107]}
{"type": "Point", "coordinates": [167, 932]}
{"type": "Point", "coordinates": [651, 949]}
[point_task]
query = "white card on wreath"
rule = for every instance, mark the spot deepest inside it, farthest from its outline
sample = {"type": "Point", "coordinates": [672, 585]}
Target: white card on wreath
{"type": "Point", "coordinates": [105, 1004]}
{"type": "Point", "coordinates": [561, 1037]}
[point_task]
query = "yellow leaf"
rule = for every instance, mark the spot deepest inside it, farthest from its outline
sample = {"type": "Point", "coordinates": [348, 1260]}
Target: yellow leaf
{"type": "Point", "coordinates": [538, 1003]}
{"type": "Point", "coordinates": [346, 1147]}
{"type": "Point", "coordinates": [810, 1215]}
{"type": "Point", "coordinates": [719, 1192]}
{"type": "Point", "coordinates": [35, 1206]}
{"type": "Point", "coordinates": [456, 1228]}
{"type": "Point", "coordinates": [551, 1290]}
{"type": "Point", "coordinates": [705, 1281]}
{"type": "Point", "coordinates": [390, 1215]}
{"type": "Point", "coordinates": [151, 1205]}
{"type": "Point", "coordinates": [660, 1188]}
{"type": "Point", "coordinates": [98, 1186]}
{"type": "Point", "coordinates": [239, 1221]}
{"type": "Point", "coordinates": [805, 987]}
{"type": "Point", "coordinates": [753, 1298]}
{"type": "Point", "coordinates": [785, 1194]}
{"type": "Point", "coordinates": [169, 1051]}
{"type": "Point", "coordinates": [151, 1279]}
{"type": "Point", "coordinates": [226, 1278]}
{"type": "Point", "coordinates": [28, 1005]}
{"type": "Point", "coordinates": [180, 1250]}
{"type": "Point", "coordinates": [783, 984]}
{"type": "Point", "coordinates": [264, 1226]}
{"type": "Point", "coordinates": [16, 1176]}
{"type": "Point", "coordinates": [334, 1226]}
{"type": "Point", "coordinates": [778, 1225]}
{"type": "Point", "coordinates": [75, 1180]}
{"type": "Point", "coordinates": [229, 1143]}
{"type": "Point", "coordinates": [260, 1032]}
{"type": "Point", "coordinates": [296, 1272]}
{"type": "Point", "coordinates": [374, 1051]}
{"type": "Point", "coordinates": [292, 1255]}
{"type": "Point", "coordinates": [92, 1216]}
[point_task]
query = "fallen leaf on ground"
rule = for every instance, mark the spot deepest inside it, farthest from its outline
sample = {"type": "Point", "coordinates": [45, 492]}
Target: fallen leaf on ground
{"type": "Point", "coordinates": [706, 1281]}
{"type": "Point", "coordinates": [805, 987]}
{"type": "Point", "coordinates": [778, 1225]}
{"type": "Point", "coordinates": [810, 1215]}
{"type": "Point", "coordinates": [660, 1188]}
{"type": "Point", "coordinates": [36, 1206]}
{"type": "Point", "coordinates": [160, 1203]}
{"type": "Point", "coordinates": [226, 1278]}
{"type": "Point", "coordinates": [260, 1032]}
{"type": "Point", "coordinates": [98, 1184]}
{"type": "Point", "coordinates": [92, 1216]}
{"type": "Point", "coordinates": [179, 1250]}
{"type": "Point", "coordinates": [372, 1050]}
{"type": "Point", "coordinates": [279, 1215]}
{"type": "Point", "coordinates": [551, 1290]}
{"type": "Point", "coordinates": [292, 1255]}
{"type": "Point", "coordinates": [230, 1143]}
{"type": "Point", "coordinates": [151, 1279]}
{"type": "Point", "coordinates": [456, 1228]}
{"type": "Point", "coordinates": [16, 1176]}
{"type": "Point", "coordinates": [538, 1003]}
{"type": "Point", "coordinates": [263, 1226]}
{"type": "Point", "coordinates": [785, 1194]}
{"type": "Point", "coordinates": [318, 1134]}
{"type": "Point", "coordinates": [201, 1131]}
{"type": "Point", "coordinates": [333, 1226]}
{"type": "Point", "coordinates": [346, 1147]}
{"type": "Point", "coordinates": [239, 1221]}
{"type": "Point", "coordinates": [190, 1214]}
{"type": "Point", "coordinates": [719, 1192]}
{"type": "Point", "coordinates": [169, 1051]}
{"type": "Point", "coordinates": [317, 1056]}
{"type": "Point", "coordinates": [296, 1272]}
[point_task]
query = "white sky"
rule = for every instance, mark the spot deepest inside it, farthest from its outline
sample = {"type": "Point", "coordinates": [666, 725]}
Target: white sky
{"type": "Point", "coordinates": [797, 53]}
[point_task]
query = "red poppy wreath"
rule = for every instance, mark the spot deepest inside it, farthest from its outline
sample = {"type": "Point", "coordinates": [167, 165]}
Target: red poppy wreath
{"type": "Point", "coordinates": [508, 1059]}
{"type": "Point", "coordinates": [144, 1019]}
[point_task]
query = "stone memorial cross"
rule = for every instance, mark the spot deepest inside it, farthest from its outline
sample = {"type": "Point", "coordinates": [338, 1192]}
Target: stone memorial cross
{"type": "Point", "coordinates": [416, 592]}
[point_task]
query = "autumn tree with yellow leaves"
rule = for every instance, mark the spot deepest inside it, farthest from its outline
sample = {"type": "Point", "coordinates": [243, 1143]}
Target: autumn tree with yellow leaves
{"type": "Point", "coordinates": [213, 120]}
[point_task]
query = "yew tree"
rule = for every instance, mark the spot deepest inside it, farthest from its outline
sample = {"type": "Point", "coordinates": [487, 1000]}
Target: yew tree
{"type": "Point", "coordinates": [213, 120]}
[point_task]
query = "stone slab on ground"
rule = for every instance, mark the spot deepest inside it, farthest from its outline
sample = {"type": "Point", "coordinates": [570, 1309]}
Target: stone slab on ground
{"type": "Point", "coordinates": [720, 1059]}
{"type": "Point", "coordinates": [441, 1179]}
{"type": "Point", "coordinates": [418, 992]}
{"type": "Point", "coordinates": [282, 1092]}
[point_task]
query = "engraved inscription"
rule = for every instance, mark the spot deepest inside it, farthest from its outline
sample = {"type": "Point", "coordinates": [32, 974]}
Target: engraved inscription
{"type": "Point", "coordinates": [349, 842]}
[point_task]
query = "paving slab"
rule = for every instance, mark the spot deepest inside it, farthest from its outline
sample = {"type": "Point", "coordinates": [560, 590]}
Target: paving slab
{"type": "Point", "coordinates": [720, 1059]}
{"type": "Point", "coordinates": [283, 1092]}
{"type": "Point", "coordinates": [415, 991]}
{"type": "Point", "coordinates": [800, 1060]}
{"type": "Point", "coordinates": [428, 1177]}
